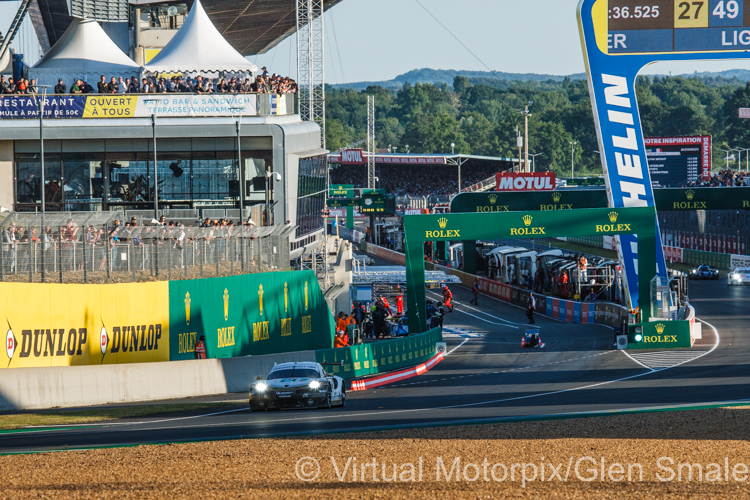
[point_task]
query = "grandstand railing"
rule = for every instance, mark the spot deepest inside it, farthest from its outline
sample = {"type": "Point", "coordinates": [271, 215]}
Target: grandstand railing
{"type": "Point", "coordinates": [93, 248]}
{"type": "Point", "coordinates": [484, 185]}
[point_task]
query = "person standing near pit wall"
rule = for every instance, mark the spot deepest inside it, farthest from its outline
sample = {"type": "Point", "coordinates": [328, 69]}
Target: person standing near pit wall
{"type": "Point", "coordinates": [475, 291]}
{"type": "Point", "coordinates": [200, 348]}
{"type": "Point", "coordinates": [530, 309]}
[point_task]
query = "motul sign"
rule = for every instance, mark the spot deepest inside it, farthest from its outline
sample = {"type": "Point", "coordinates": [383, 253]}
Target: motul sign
{"type": "Point", "coordinates": [352, 157]}
{"type": "Point", "coordinates": [536, 181]}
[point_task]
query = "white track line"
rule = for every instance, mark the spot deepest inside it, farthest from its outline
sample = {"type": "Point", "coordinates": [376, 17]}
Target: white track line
{"type": "Point", "coordinates": [666, 354]}
{"type": "Point", "coordinates": [414, 410]}
{"type": "Point", "coordinates": [459, 345]}
{"type": "Point", "coordinates": [483, 319]}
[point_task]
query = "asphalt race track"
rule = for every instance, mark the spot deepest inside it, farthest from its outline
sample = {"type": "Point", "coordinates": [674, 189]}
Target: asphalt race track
{"type": "Point", "coordinates": [485, 376]}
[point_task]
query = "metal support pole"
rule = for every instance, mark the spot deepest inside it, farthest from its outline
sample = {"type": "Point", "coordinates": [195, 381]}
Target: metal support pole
{"type": "Point", "coordinates": [203, 256]}
{"type": "Point", "coordinates": [59, 255]}
{"type": "Point", "coordinates": [156, 255]}
{"type": "Point", "coordinates": [242, 173]}
{"type": "Point", "coordinates": [31, 261]}
{"type": "Point", "coordinates": [169, 261]}
{"type": "Point", "coordinates": [216, 258]}
{"type": "Point", "coordinates": [85, 271]}
{"type": "Point", "coordinates": [107, 254]}
{"type": "Point", "coordinates": [41, 144]}
{"type": "Point", "coordinates": [156, 178]}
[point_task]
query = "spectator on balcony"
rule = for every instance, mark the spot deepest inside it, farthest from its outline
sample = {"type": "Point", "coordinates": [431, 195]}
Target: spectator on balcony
{"type": "Point", "coordinates": [161, 87]}
{"type": "Point", "coordinates": [76, 87]}
{"type": "Point", "coordinates": [31, 87]}
{"type": "Point", "coordinates": [21, 86]}
{"type": "Point", "coordinates": [122, 87]}
{"type": "Point", "coordinates": [60, 88]}
{"type": "Point", "coordinates": [3, 86]}
{"type": "Point", "coordinates": [102, 86]}
{"type": "Point", "coordinates": [265, 72]}
{"type": "Point", "coordinates": [112, 86]}
{"type": "Point", "coordinates": [146, 87]}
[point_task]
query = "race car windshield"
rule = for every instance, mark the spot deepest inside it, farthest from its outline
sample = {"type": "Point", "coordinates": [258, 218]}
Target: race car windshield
{"type": "Point", "coordinates": [293, 373]}
{"type": "Point", "coordinates": [704, 268]}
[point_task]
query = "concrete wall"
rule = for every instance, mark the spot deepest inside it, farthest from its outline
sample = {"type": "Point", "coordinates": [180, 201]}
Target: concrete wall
{"type": "Point", "coordinates": [71, 386]}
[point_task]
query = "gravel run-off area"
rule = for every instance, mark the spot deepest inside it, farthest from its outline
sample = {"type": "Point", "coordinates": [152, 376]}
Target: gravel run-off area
{"type": "Point", "coordinates": [642, 456]}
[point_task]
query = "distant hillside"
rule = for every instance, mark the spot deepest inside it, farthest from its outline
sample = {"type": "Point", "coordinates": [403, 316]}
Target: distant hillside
{"type": "Point", "coordinates": [732, 77]}
{"type": "Point", "coordinates": [433, 76]}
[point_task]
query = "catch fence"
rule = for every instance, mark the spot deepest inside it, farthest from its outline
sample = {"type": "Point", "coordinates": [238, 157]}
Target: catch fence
{"type": "Point", "coordinates": [96, 247]}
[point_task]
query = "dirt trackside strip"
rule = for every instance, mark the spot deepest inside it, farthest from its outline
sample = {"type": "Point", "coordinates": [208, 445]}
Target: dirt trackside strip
{"type": "Point", "coordinates": [699, 453]}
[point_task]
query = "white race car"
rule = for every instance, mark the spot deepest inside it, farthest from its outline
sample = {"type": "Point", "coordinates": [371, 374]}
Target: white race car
{"type": "Point", "coordinates": [297, 385]}
{"type": "Point", "coordinates": [740, 276]}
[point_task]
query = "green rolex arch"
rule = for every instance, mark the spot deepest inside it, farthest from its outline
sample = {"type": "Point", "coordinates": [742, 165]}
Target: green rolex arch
{"type": "Point", "coordinates": [502, 225]}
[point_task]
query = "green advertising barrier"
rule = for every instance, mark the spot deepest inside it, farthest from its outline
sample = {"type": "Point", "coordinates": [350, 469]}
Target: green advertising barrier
{"type": "Point", "coordinates": [710, 198]}
{"type": "Point", "coordinates": [250, 314]}
{"type": "Point", "coordinates": [371, 359]}
{"type": "Point", "coordinates": [660, 335]}
{"type": "Point", "coordinates": [497, 225]}
{"type": "Point", "coordinates": [698, 257]}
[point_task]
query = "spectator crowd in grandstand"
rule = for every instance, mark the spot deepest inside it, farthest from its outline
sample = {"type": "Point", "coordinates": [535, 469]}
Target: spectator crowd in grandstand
{"type": "Point", "coordinates": [263, 84]}
{"type": "Point", "coordinates": [724, 178]}
{"type": "Point", "coordinates": [414, 180]}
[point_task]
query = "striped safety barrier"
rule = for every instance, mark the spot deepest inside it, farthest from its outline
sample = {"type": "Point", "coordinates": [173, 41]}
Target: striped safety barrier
{"type": "Point", "coordinates": [389, 378]}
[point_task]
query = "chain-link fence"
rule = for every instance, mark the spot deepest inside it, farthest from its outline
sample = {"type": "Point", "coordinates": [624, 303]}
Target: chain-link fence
{"type": "Point", "coordinates": [94, 247]}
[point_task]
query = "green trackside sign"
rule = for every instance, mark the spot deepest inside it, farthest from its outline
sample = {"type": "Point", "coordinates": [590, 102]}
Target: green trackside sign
{"type": "Point", "coordinates": [660, 335]}
{"type": "Point", "coordinates": [345, 190]}
{"type": "Point", "coordinates": [711, 198]}
{"type": "Point", "coordinates": [370, 359]}
{"type": "Point", "coordinates": [249, 315]}
{"type": "Point", "coordinates": [499, 225]}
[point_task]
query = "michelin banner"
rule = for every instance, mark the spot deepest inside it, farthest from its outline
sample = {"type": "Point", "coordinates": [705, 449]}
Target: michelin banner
{"type": "Point", "coordinates": [129, 106]}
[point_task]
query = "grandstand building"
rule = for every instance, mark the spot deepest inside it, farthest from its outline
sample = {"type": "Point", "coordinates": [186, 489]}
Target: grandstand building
{"type": "Point", "coordinates": [149, 25]}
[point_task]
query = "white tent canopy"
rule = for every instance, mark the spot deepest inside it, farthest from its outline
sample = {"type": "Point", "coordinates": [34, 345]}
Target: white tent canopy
{"type": "Point", "coordinates": [198, 47]}
{"type": "Point", "coordinates": [84, 50]}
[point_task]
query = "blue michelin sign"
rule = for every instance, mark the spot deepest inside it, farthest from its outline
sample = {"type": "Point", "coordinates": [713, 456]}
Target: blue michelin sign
{"type": "Point", "coordinates": [27, 106]}
{"type": "Point", "coordinates": [617, 44]}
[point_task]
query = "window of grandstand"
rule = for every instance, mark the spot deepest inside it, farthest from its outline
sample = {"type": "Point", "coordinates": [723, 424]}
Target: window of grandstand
{"type": "Point", "coordinates": [311, 193]}
{"type": "Point", "coordinates": [415, 180]}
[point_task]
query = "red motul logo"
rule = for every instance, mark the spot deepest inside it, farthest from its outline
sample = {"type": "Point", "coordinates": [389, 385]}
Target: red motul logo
{"type": "Point", "coordinates": [352, 157]}
{"type": "Point", "coordinates": [536, 181]}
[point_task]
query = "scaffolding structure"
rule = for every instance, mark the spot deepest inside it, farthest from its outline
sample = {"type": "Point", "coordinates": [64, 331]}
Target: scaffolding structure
{"type": "Point", "coordinates": [311, 64]}
{"type": "Point", "coordinates": [371, 142]}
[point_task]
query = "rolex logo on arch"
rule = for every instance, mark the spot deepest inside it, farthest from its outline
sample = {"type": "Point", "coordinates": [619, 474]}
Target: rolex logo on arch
{"type": "Point", "coordinates": [527, 230]}
{"type": "Point", "coordinates": [556, 197]}
{"type": "Point", "coordinates": [443, 233]}
{"type": "Point", "coordinates": [690, 194]}
{"type": "Point", "coordinates": [492, 198]}
{"type": "Point", "coordinates": [613, 228]}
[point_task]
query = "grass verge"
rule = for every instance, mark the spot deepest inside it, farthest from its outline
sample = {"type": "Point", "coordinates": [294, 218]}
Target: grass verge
{"type": "Point", "coordinates": [64, 417]}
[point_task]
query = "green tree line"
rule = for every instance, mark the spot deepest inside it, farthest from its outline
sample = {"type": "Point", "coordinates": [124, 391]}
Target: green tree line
{"type": "Point", "coordinates": [480, 117]}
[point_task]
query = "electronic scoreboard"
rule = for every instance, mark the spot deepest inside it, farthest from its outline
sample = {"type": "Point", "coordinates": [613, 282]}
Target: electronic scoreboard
{"type": "Point", "coordinates": [677, 26]}
{"type": "Point", "coordinates": [678, 161]}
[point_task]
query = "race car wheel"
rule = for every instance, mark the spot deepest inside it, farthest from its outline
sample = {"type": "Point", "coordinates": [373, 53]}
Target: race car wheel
{"type": "Point", "coordinates": [343, 399]}
{"type": "Point", "coordinates": [328, 401]}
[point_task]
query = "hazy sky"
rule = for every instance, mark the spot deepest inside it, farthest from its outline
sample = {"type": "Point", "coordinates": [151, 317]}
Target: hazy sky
{"type": "Point", "coordinates": [380, 39]}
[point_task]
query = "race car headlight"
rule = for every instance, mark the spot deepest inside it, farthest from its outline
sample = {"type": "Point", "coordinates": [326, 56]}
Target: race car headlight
{"type": "Point", "coordinates": [314, 384]}
{"type": "Point", "coordinates": [261, 387]}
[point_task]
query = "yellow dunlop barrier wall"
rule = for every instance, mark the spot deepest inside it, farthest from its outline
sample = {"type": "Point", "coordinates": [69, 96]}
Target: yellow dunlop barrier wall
{"type": "Point", "coordinates": [65, 325]}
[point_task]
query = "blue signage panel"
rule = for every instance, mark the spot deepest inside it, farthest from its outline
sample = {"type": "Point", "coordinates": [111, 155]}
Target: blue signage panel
{"type": "Point", "coordinates": [27, 106]}
{"type": "Point", "coordinates": [612, 65]}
